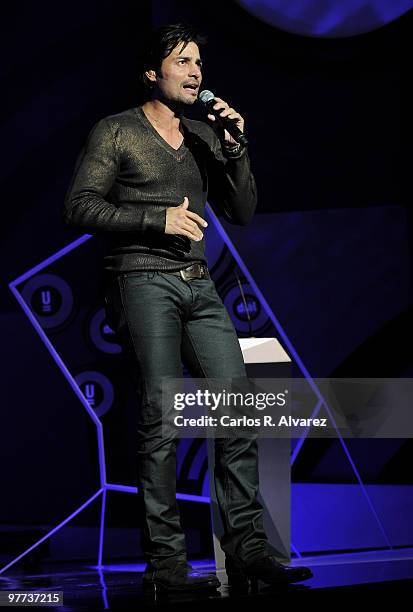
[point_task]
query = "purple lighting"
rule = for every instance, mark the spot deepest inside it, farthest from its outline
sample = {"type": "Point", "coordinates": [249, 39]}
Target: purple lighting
{"type": "Point", "coordinates": [291, 351]}
{"type": "Point", "coordinates": [330, 18]}
{"type": "Point", "coordinates": [91, 413]}
{"type": "Point", "coordinates": [104, 486]}
{"type": "Point", "coordinates": [52, 531]}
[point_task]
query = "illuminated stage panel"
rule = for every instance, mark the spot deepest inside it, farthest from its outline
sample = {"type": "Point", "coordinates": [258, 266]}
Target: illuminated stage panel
{"type": "Point", "coordinates": [65, 308]}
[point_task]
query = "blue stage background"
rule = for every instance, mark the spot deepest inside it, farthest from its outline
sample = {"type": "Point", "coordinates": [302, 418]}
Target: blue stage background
{"type": "Point", "coordinates": [330, 249]}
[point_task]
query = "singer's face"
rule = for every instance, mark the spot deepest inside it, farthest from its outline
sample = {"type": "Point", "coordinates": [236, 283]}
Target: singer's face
{"type": "Point", "coordinates": [180, 75]}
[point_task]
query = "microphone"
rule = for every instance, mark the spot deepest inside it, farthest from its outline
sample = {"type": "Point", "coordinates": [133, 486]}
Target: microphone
{"type": "Point", "coordinates": [207, 98]}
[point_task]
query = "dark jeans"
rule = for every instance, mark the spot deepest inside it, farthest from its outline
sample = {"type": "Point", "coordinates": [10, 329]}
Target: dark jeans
{"type": "Point", "coordinates": [162, 320]}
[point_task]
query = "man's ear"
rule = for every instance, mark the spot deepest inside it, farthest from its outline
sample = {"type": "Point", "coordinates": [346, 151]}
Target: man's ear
{"type": "Point", "coordinates": [151, 75]}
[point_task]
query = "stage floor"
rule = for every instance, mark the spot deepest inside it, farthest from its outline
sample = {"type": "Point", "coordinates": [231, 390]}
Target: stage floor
{"type": "Point", "coordinates": [119, 586]}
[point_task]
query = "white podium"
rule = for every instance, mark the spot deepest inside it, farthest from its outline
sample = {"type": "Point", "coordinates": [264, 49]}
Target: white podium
{"type": "Point", "coordinates": [264, 358]}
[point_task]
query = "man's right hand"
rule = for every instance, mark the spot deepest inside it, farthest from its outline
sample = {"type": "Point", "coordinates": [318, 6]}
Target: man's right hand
{"type": "Point", "coordinates": [180, 220]}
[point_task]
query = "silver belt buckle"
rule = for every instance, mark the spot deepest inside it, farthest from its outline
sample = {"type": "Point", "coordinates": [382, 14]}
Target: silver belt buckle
{"type": "Point", "coordinates": [186, 273]}
{"type": "Point", "coordinates": [183, 274]}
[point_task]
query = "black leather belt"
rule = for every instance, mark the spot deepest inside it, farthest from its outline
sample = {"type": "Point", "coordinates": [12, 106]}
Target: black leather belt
{"type": "Point", "coordinates": [195, 271]}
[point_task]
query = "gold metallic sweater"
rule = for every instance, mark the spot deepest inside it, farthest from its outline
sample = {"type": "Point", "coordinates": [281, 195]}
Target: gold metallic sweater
{"type": "Point", "coordinates": [126, 177]}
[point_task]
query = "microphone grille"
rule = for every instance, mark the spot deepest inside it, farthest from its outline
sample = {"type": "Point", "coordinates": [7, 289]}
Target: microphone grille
{"type": "Point", "coordinates": [206, 96]}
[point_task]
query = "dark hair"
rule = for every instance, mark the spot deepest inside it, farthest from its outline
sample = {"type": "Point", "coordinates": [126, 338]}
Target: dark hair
{"type": "Point", "coordinates": [162, 42]}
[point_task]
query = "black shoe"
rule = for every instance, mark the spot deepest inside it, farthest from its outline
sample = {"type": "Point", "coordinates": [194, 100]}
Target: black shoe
{"type": "Point", "coordinates": [179, 577]}
{"type": "Point", "coordinates": [266, 569]}
{"type": "Point", "coordinates": [237, 577]}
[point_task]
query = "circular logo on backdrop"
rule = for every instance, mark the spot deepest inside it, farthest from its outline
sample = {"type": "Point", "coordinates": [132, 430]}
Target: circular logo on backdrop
{"type": "Point", "coordinates": [330, 18]}
{"type": "Point", "coordinates": [235, 305]}
{"type": "Point", "coordinates": [98, 391]}
{"type": "Point", "coordinates": [49, 298]}
{"type": "Point", "coordinates": [250, 309]}
{"type": "Point", "coordinates": [101, 334]}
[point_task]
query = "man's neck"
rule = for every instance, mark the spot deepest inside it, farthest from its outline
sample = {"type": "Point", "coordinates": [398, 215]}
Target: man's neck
{"type": "Point", "coordinates": [166, 117]}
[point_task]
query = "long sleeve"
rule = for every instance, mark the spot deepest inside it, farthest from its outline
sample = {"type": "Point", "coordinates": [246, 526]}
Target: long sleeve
{"type": "Point", "coordinates": [231, 185]}
{"type": "Point", "coordinates": [86, 204]}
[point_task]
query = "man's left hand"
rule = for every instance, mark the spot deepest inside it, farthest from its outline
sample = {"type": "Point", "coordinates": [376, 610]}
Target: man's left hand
{"type": "Point", "coordinates": [232, 114]}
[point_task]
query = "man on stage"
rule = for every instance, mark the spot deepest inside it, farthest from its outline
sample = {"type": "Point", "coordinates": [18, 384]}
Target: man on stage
{"type": "Point", "coordinates": [143, 179]}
